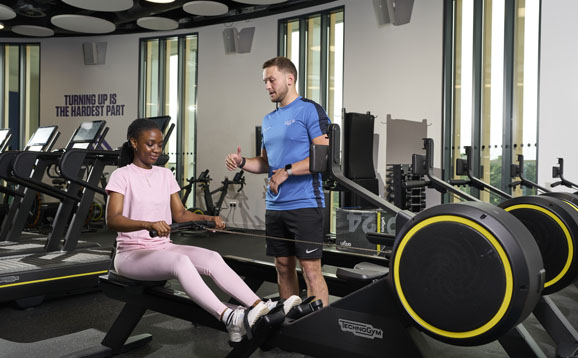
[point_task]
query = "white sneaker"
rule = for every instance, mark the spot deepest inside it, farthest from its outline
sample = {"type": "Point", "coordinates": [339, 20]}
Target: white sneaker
{"type": "Point", "coordinates": [256, 312]}
{"type": "Point", "coordinates": [291, 302]}
{"type": "Point", "coordinates": [235, 326]}
{"type": "Point", "coordinates": [288, 304]}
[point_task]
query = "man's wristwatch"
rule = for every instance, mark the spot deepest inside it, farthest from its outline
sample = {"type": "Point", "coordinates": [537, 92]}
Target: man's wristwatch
{"type": "Point", "coordinates": [288, 169]}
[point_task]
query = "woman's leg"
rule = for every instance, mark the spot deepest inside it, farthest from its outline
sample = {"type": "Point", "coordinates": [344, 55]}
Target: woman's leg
{"type": "Point", "coordinates": [164, 264]}
{"type": "Point", "coordinates": [210, 263]}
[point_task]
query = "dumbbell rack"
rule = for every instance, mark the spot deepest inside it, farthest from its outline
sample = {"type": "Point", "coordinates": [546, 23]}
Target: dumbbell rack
{"type": "Point", "coordinates": [407, 199]}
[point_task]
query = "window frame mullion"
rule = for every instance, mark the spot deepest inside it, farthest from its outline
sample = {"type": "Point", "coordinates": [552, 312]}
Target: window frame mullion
{"type": "Point", "coordinates": [507, 119]}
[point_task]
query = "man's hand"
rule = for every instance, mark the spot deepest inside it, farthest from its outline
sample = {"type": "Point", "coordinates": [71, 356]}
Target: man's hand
{"type": "Point", "coordinates": [234, 159]}
{"type": "Point", "coordinates": [219, 223]}
{"type": "Point", "coordinates": [279, 176]}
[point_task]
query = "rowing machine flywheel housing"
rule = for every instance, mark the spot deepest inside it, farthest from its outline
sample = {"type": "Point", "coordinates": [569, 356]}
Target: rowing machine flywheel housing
{"type": "Point", "coordinates": [466, 273]}
{"type": "Point", "coordinates": [554, 224]}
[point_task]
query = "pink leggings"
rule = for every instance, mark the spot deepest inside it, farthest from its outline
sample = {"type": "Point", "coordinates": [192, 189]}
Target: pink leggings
{"type": "Point", "coordinates": [187, 264]}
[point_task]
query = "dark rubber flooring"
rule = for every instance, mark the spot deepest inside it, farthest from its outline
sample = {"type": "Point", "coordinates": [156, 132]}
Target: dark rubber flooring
{"type": "Point", "coordinates": [64, 326]}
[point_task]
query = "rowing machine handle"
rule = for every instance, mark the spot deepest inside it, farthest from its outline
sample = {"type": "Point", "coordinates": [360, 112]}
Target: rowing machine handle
{"type": "Point", "coordinates": [195, 225]}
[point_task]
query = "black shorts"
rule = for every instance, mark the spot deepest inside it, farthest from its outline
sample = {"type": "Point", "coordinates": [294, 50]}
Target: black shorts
{"type": "Point", "coordinates": [299, 224]}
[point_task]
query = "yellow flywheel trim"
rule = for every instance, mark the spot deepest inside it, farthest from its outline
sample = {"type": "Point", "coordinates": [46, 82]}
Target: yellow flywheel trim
{"type": "Point", "coordinates": [566, 267]}
{"type": "Point", "coordinates": [503, 257]}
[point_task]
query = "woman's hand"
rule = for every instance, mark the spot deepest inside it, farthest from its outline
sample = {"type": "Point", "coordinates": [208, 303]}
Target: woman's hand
{"type": "Point", "coordinates": [219, 223]}
{"type": "Point", "coordinates": [161, 227]}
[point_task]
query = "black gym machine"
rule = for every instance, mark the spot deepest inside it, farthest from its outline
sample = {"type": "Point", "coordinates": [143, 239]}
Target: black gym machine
{"type": "Point", "coordinates": [552, 220]}
{"type": "Point", "coordinates": [464, 273]}
{"type": "Point", "coordinates": [212, 208]}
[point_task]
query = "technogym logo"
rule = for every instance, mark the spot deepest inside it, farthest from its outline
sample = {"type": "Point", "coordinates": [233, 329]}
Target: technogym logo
{"type": "Point", "coordinates": [360, 329]}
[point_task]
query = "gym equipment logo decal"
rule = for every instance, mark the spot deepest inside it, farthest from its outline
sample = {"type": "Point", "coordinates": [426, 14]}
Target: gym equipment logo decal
{"type": "Point", "coordinates": [359, 329]}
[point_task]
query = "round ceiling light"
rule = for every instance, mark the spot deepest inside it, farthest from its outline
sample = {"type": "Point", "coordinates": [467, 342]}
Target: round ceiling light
{"type": "Point", "coordinates": [101, 5]}
{"type": "Point", "coordinates": [6, 13]}
{"type": "Point", "coordinates": [83, 24]}
{"type": "Point", "coordinates": [32, 31]}
{"type": "Point", "coordinates": [205, 8]}
{"type": "Point", "coordinates": [260, 2]}
{"type": "Point", "coordinates": [161, 1]}
{"type": "Point", "coordinates": [157, 23]}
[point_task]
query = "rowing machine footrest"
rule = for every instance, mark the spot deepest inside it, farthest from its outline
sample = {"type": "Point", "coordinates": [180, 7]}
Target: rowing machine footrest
{"type": "Point", "coordinates": [308, 306]}
{"type": "Point", "coordinates": [133, 285]}
{"type": "Point", "coordinates": [363, 271]}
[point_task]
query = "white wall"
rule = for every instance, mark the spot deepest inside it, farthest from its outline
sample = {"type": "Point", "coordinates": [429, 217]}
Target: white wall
{"type": "Point", "coordinates": [558, 103]}
{"type": "Point", "coordinates": [63, 72]}
{"type": "Point", "coordinates": [388, 70]}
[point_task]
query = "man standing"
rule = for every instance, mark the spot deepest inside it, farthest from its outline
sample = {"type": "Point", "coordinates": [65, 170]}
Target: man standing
{"type": "Point", "coordinates": [295, 196]}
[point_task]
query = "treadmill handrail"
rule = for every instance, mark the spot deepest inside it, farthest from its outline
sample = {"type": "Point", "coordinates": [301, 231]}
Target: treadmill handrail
{"type": "Point", "coordinates": [26, 160]}
{"type": "Point", "coordinates": [81, 155]}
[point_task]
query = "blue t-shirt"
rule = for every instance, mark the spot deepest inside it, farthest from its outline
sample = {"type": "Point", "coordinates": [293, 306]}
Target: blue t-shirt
{"type": "Point", "coordinates": [287, 134]}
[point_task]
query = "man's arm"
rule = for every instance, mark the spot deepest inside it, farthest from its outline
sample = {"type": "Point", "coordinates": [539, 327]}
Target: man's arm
{"type": "Point", "coordinates": [302, 167]}
{"type": "Point", "coordinates": [256, 165]}
{"type": "Point", "coordinates": [298, 168]}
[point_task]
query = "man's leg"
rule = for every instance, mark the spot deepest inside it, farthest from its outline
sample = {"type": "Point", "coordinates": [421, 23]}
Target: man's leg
{"type": "Point", "coordinates": [316, 285]}
{"type": "Point", "coordinates": [287, 276]}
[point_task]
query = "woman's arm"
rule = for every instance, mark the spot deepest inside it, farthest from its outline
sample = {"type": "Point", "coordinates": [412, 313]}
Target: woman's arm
{"type": "Point", "coordinates": [181, 214]}
{"type": "Point", "coordinates": [117, 222]}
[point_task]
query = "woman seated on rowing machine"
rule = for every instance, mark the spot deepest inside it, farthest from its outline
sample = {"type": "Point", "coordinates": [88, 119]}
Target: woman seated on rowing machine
{"type": "Point", "coordinates": [144, 197]}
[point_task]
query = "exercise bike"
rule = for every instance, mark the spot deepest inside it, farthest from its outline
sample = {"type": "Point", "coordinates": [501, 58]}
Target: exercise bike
{"type": "Point", "coordinates": [212, 208]}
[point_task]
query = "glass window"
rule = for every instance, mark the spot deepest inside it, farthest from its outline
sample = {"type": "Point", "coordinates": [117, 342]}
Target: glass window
{"type": "Point", "coordinates": [168, 86]}
{"type": "Point", "coordinates": [314, 43]}
{"type": "Point", "coordinates": [525, 89]}
{"type": "Point", "coordinates": [493, 49]}
{"type": "Point", "coordinates": [492, 96]}
{"type": "Point", "coordinates": [151, 85]}
{"type": "Point", "coordinates": [20, 90]}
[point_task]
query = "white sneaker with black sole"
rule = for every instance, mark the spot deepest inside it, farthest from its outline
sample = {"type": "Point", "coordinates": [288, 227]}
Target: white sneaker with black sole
{"type": "Point", "coordinates": [234, 324]}
{"type": "Point", "coordinates": [257, 312]}
{"type": "Point", "coordinates": [288, 303]}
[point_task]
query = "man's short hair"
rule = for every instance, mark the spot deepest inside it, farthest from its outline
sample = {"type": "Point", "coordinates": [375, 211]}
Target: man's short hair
{"type": "Point", "coordinates": [283, 64]}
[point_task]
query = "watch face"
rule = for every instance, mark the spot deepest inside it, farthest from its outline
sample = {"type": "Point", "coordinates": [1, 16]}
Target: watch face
{"type": "Point", "coordinates": [288, 166]}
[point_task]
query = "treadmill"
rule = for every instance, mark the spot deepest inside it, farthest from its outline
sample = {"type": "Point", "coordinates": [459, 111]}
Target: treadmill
{"type": "Point", "coordinates": [87, 136]}
{"type": "Point", "coordinates": [5, 136]}
{"type": "Point", "coordinates": [28, 279]}
{"type": "Point", "coordinates": [42, 140]}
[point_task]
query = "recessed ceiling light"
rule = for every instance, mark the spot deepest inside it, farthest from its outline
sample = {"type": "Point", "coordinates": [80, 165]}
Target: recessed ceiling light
{"type": "Point", "coordinates": [161, 1]}
{"type": "Point", "coordinates": [1, 26]}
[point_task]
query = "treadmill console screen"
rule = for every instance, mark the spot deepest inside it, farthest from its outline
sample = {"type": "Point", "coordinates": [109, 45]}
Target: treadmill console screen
{"type": "Point", "coordinates": [3, 134]}
{"type": "Point", "coordinates": [87, 132]}
{"type": "Point", "coordinates": [41, 136]}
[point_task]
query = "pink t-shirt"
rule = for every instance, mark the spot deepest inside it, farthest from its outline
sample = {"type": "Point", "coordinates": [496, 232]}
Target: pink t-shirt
{"type": "Point", "coordinates": [147, 197]}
